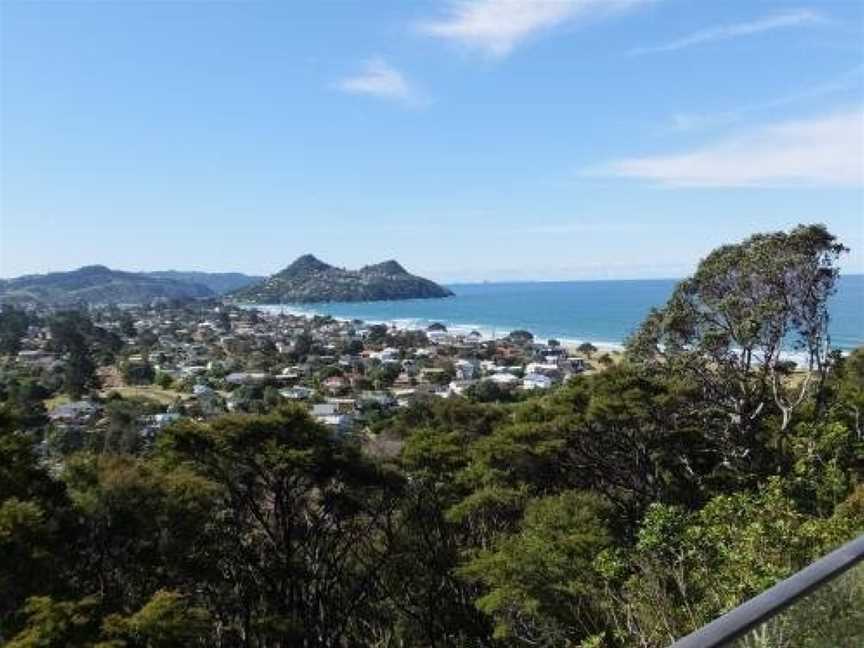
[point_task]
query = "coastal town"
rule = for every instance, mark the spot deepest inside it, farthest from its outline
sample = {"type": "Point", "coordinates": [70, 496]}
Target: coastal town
{"type": "Point", "coordinates": [199, 360]}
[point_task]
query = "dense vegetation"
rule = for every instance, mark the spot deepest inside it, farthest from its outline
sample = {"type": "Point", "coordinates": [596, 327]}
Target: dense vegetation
{"type": "Point", "coordinates": [625, 508]}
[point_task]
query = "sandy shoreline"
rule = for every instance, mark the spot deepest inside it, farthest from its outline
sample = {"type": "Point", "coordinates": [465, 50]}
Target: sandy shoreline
{"type": "Point", "coordinates": [407, 324]}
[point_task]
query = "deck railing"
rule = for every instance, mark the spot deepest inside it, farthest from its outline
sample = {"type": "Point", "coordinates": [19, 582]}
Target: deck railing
{"type": "Point", "coordinates": [821, 606]}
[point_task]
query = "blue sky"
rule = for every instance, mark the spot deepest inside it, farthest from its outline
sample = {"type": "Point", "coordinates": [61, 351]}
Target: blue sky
{"type": "Point", "coordinates": [472, 140]}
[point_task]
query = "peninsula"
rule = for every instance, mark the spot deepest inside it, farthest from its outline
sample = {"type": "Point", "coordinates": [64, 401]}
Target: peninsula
{"type": "Point", "coordinates": [310, 280]}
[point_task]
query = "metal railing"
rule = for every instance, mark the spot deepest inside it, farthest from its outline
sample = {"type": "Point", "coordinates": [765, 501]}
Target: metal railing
{"type": "Point", "coordinates": [737, 623]}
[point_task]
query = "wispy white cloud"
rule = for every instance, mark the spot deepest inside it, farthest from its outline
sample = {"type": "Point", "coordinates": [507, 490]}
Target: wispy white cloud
{"type": "Point", "coordinates": [496, 27]}
{"type": "Point", "coordinates": [782, 20]}
{"type": "Point", "coordinates": [826, 151]}
{"type": "Point", "coordinates": [851, 80]}
{"type": "Point", "coordinates": [377, 78]}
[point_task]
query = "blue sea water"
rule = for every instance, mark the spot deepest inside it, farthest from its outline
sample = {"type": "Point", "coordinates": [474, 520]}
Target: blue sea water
{"type": "Point", "coordinates": [604, 312]}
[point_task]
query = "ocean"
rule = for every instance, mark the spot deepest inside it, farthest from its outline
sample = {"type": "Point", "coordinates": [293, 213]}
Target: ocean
{"type": "Point", "coordinates": [601, 312]}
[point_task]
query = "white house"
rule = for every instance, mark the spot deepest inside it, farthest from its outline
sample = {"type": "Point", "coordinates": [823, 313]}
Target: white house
{"type": "Point", "coordinates": [536, 381]}
{"type": "Point", "coordinates": [504, 379]}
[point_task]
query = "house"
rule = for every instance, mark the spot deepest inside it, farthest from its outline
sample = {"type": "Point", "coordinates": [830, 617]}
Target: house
{"type": "Point", "coordinates": [389, 354]}
{"type": "Point", "coordinates": [459, 387]}
{"type": "Point", "coordinates": [552, 370]}
{"type": "Point", "coordinates": [404, 397]}
{"type": "Point", "coordinates": [573, 364]}
{"type": "Point", "coordinates": [31, 356]}
{"type": "Point", "coordinates": [73, 415]}
{"type": "Point", "coordinates": [193, 370]}
{"type": "Point", "coordinates": [536, 381]}
{"type": "Point", "coordinates": [323, 409]}
{"type": "Point", "coordinates": [334, 384]}
{"type": "Point", "coordinates": [432, 374]}
{"type": "Point", "coordinates": [202, 390]}
{"type": "Point", "coordinates": [403, 381]}
{"type": "Point", "coordinates": [504, 379]}
{"type": "Point", "coordinates": [297, 393]}
{"type": "Point", "coordinates": [343, 405]}
{"type": "Point", "coordinates": [155, 423]}
{"type": "Point", "coordinates": [376, 399]}
{"type": "Point", "coordinates": [328, 414]}
{"type": "Point", "coordinates": [465, 369]}
{"type": "Point", "coordinates": [437, 337]}
{"type": "Point", "coordinates": [246, 378]}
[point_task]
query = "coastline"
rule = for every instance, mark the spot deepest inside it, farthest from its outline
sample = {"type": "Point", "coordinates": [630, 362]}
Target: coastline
{"type": "Point", "coordinates": [613, 348]}
{"type": "Point", "coordinates": [488, 332]}
{"type": "Point", "coordinates": [604, 313]}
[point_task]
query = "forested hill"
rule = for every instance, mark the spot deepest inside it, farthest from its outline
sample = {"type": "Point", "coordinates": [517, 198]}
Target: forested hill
{"type": "Point", "coordinates": [309, 280]}
{"type": "Point", "coordinates": [97, 284]}
{"type": "Point", "coordinates": [219, 282]}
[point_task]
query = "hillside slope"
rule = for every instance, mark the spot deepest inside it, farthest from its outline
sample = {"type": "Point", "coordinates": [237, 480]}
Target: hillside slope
{"type": "Point", "coordinates": [97, 284]}
{"type": "Point", "coordinates": [310, 280]}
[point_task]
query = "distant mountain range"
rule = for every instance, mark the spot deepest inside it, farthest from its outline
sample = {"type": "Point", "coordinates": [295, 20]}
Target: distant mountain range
{"type": "Point", "coordinates": [219, 282]}
{"type": "Point", "coordinates": [97, 284]}
{"type": "Point", "coordinates": [309, 280]}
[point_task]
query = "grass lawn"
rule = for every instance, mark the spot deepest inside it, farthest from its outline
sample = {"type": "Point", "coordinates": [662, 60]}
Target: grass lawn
{"type": "Point", "coordinates": [56, 401]}
{"type": "Point", "coordinates": [164, 396]}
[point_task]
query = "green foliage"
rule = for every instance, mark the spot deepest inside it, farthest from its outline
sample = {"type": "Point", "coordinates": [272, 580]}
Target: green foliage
{"type": "Point", "coordinates": [138, 373]}
{"type": "Point", "coordinates": [521, 336]}
{"type": "Point", "coordinates": [627, 507]}
{"type": "Point", "coordinates": [57, 624]}
{"type": "Point", "coordinates": [689, 567]}
{"type": "Point", "coordinates": [13, 326]}
{"type": "Point", "coordinates": [164, 380]}
{"type": "Point", "coordinates": [488, 391]}
{"type": "Point", "coordinates": [316, 508]}
{"type": "Point", "coordinates": [542, 588]}
{"type": "Point", "coordinates": [587, 348]}
{"type": "Point", "coordinates": [167, 620]}
{"type": "Point", "coordinates": [725, 328]}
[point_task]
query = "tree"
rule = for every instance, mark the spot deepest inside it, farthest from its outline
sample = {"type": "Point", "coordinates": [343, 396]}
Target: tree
{"type": "Point", "coordinates": [71, 332]}
{"type": "Point", "coordinates": [35, 523]}
{"type": "Point", "coordinates": [354, 347]}
{"type": "Point", "coordinates": [127, 325]}
{"type": "Point", "coordinates": [687, 568]}
{"type": "Point", "coordinates": [384, 375]}
{"type": "Point", "coordinates": [521, 336]}
{"type": "Point", "coordinates": [541, 586]}
{"type": "Point", "coordinates": [58, 624]}
{"type": "Point", "coordinates": [849, 387]}
{"type": "Point", "coordinates": [303, 542]}
{"type": "Point", "coordinates": [302, 345]}
{"type": "Point", "coordinates": [79, 375]}
{"type": "Point", "coordinates": [13, 327]}
{"type": "Point", "coordinates": [167, 620]}
{"type": "Point", "coordinates": [164, 380]}
{"type": "Point", "coordinates": [488, 391]}
{"type": "Point", "coordinates": [587, 348]}
{"type": "Point", "coordinates": [378, 333]}
{"type": "Point", "coordinates": [728, 326]}
{"type": "Point", "coordinates": [138, 373]}
{"type": "Point", "coordinates": [147, 339]}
